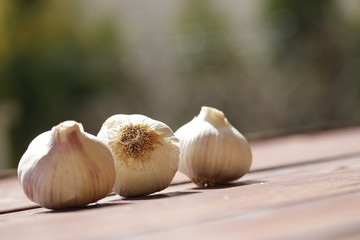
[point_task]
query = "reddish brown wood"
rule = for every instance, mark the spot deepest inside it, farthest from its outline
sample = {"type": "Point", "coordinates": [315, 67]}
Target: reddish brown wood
{"type": "Point", "coordinates": [306, 191]}
{"type": "Point", "coordinates": [12, 197]}
{"type": "Point", "coordinates": [305, 147]}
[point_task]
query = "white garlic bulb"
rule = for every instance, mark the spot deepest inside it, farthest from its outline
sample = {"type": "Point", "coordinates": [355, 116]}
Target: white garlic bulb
{"type": "Point", "coordinates": [212, 151]}
{"type": "Point", "coordinates": [145, 151]}
{"type": "Point", "coordinates": [66, 167]}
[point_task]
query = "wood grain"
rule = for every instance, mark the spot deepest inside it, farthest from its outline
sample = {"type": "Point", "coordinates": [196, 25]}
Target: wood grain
{"type": "Point", "coordinates": [305, 191]}
{"type": "Point", "coordinates": [306, 147]}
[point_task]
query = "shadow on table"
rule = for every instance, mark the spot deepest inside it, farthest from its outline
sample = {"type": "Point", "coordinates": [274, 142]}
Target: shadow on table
{"type": "Point", "coordinates": [124, 201]}
{"type": "Point", "coordinates": [161, 195]}
{"type": "Point", "coordinates": [230, 185]}
{"type": "Point", "coordinates": [91, 206]}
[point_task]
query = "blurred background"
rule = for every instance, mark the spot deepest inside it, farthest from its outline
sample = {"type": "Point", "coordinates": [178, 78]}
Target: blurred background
{"type": "Point", "coordinates": [273, 67]}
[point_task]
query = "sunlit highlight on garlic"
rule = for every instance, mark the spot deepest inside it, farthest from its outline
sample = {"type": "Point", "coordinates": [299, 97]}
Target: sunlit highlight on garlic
{"type": "Point", "coordinates": [146, 153]}
{"type": "Point", "coordinates": [66, 167]}
{"type": "Point", "coordinates": [212, 151]}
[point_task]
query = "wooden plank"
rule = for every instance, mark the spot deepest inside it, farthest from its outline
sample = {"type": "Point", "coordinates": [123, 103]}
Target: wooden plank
{"type": "Point", "coordinates": [337, 217]}
{"type": "Point", "coordinates": [280, 197]}
{"type": "Point", "coordinates": [305, 147]}
{"type": "Point", "coordinates": [291, 179]}
{"type": "Point", "coordinates": [12, 197]}
{"type": "Point", "coordinates": [280, 152]}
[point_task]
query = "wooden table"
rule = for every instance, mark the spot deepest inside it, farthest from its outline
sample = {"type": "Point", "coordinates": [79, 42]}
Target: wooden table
{"type": "Point", "coordinates": [304, 186]}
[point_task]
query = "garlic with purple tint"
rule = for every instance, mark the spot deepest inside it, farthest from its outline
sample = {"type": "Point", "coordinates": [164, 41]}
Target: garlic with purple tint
{"type": "Point", "coordinates": [212, 151]}
{"type": "Point", "coordinates": [66, 167]}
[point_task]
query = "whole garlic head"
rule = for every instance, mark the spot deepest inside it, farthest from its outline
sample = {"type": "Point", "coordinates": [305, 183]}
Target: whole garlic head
{"type": "Point", "coordinates": [66, 167]}
{"type": "Point", "coordinates": [145, 151]}
{"type": "Point", "coordinates": [212, 151]}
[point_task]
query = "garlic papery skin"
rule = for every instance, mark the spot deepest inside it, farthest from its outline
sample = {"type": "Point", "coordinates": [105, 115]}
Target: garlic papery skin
{"type": "Point", "coordinates": [66, 167]}
{"type": "Point", "coordinates": [145, 151]}
{"type": "Point", "coordinates": [212, 151]}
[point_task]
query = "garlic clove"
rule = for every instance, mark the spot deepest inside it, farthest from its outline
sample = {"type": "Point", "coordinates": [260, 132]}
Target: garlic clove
{"type": "Point", "coordinates": [66, 167]}
{"type": "Point", "coordinates": [212, 151]}
{"type": "Point", "coordinates": [145, 151]}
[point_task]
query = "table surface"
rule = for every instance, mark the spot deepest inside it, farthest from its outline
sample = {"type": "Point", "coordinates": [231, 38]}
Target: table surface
{"type": "Point", "coordinates": [303, 186]}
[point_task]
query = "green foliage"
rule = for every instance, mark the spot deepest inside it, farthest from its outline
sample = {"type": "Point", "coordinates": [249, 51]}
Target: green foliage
{"type": "Point", "coordinates": [203, 40]}
{"type": "Point", "coordinates": [312, 53]}
{"type": "Point", "coordinates": [56, 63]}
{"type": "Point", "coordinates": [53, 63]}
{"type": "Point", "coordinates": [209, 66]}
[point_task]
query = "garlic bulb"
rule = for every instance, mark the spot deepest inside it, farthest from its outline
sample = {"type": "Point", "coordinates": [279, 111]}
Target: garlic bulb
{"type": "Point", "coordinates": [212, 151]}
{"type": "Point", "coordinates": [145, 151]}
{"type": "Point", "coordinates": [66, 167]}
